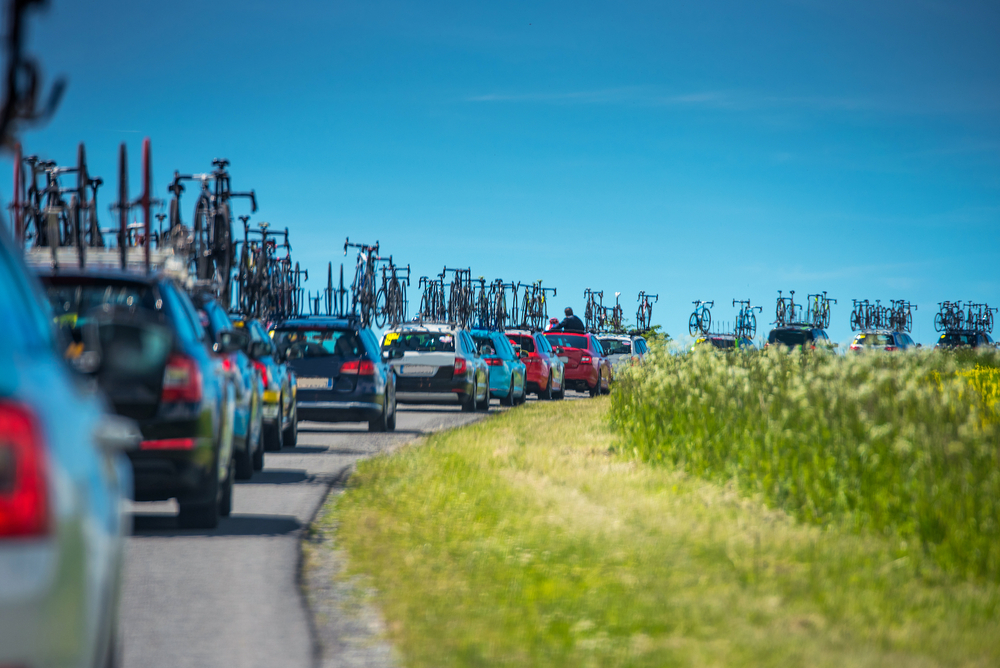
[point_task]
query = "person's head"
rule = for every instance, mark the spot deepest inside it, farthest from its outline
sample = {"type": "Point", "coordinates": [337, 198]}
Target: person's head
{"type": "Point", "coordinates": [568, 311]}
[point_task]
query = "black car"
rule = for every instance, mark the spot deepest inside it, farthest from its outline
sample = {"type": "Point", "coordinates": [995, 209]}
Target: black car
{"type": "Point", "coordinates": [340, 371]}
{"type": "Point", "coordinates": [960, 338]}
{"type": "Point", "coordinates": [280, 419]}
{"type": "Point", "coordinates": [804, 336]}
{"type": "Point", "coordinates": [183, 400]}
{"type": "Point", "coordinates": [248, 426]}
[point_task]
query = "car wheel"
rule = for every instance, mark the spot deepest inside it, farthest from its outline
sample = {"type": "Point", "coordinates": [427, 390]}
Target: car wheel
{"type": "Point", "coordinates": [204, 514]}
{"type": "Point", "coordinates": [607, 386]}
{"type": "Point", "coordinates": [381, 423]}
{"type": "Point", "coordinates": [484, 405]}
{"type": "Point", "coordinates": [391, 422]}
{"type": "Point", "coordinates": [562, 390]}
{"type": "Point", "coordinates": [596, 389]}
{"type": "Point", "coordinates": [258, 450]}
{"type": "Point", "coordinates": [226, 502]}
{"type": "Point", "coordinates": [273, 433]}
{"type": "Point", "coordinates": [469, 401]}
{"type": "Point", "coordinates": [510, 399]}
{"type": "Point", "coordinates": [546, 395]}
{"type": "Point", "coordinates": [291, 435]}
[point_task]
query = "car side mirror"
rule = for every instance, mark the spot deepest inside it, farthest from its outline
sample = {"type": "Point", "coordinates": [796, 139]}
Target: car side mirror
{"type": "Point", "coordinates": [523, 355]}
{"type": "Point", "coordinates": [488, 351]}
{"type": "Point", "coordinates": [559, 350]}
{"type": "Point", "coordinates": [259, 349]}
{"type": "Point", "coordinates": [231, 341]}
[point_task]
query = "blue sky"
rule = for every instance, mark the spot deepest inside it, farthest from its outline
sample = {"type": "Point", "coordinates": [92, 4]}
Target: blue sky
{"type": "Point", "coordinates": [711, 150]}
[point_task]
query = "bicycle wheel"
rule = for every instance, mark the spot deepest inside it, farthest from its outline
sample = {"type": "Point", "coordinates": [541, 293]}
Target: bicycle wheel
{"type": "Point", "coordinates": [123, 203]}
{"type": "Point", "coordinates": [988, 321]}
{"type": "Point", "coordinates": [752, 325]}
{"type": "Point", "coordinates": [938, 322]}
{"type": "Point", "coordinates": [779, 313]}
{"type": "Point", "coordinates": [855, 321]}
{"type": "Point", "coordinates": [74, 216]}
{"type": "Point", "coordinates": [222, 252]}
{"type": "Point", "coordinates": [380, 311]}
{"type": "Point", "coordinates": [705, 320]}
{"type": "Point", "coordinates": [694, 325]}
{"type": "Point", "coordinates": [908, 322]}
{"type": "Point", "coordinates": [202, 248]}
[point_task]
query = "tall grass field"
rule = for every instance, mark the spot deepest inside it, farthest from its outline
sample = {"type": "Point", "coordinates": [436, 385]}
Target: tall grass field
{"type": "Point", "coordinates": [903, 446]}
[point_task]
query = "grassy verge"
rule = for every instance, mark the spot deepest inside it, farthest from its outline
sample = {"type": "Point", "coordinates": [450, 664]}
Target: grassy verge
{"type": "Point", "coordinates": [525, 540]}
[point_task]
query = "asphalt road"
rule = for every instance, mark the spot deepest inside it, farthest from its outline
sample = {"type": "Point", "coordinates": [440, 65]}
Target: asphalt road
{"type": "Point", "coordinates": [230, 597]}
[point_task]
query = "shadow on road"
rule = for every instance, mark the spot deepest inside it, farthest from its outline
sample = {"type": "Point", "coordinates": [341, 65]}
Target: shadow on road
{"type": "Point", "coordinates": [277, 477]}
{"type": "Point", "coordinates": [234, 525]}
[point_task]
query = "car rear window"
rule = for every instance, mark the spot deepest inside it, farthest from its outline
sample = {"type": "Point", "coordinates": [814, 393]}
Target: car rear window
{"type": "Point", "coordinates": [874, 339]}
{"type": "Point", "coordinates": [568, 341]}
{"type": "Point", "coordinates": [527, 343]}
{"type": "Point", "coordinates": [956, 339]}
{"type": "Point", "coordinates": [616, 347]}
{"type": "Point", "coordinates": [298, 343]}
{"type": "Point", "coordinates": [790, 337]}
{"type": "Point", "coordinates": [426, 342]}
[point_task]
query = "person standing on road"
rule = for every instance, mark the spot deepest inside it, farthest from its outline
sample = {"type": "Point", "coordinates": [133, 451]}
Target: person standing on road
{"type": "Point", "coordinates": [570, 323]}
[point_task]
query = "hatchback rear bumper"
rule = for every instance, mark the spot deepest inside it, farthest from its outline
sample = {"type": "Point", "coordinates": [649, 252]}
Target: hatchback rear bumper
{"type": "Point", "coordinates": [338, 411]}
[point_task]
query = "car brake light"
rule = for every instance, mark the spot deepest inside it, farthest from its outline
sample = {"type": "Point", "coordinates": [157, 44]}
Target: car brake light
{"type": "Point", "coordinates": [585, 359]}
{"type": "Point", "coordinates": [227, 364]}
{"type": "Point", "coordinates": [262, 368]}
{"type": "Point", "coordinates": [891, 348]}
{"type": "Point", "coordinates": [181, 380]}
{"type": "Point", "coordinates": [460, 366]}
{"type": "Point", "coordinates": [24, 498]}
{"type": "Point", "coordinates": [359, 367]}
{"type": "Point", "coordinates": [494, 361]}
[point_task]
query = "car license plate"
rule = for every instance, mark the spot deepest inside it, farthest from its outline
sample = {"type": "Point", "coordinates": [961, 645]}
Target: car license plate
{"type": "Point", "coordinates": [563, 359]}
{"type": "Point", "coordinates": [315, 383]}
{"type": "Point", "coordinates": [417, 370]}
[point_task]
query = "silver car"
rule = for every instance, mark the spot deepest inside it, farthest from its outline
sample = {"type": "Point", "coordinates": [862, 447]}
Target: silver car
{"type": "Point", "coordinates": [623, 349]}
{"type": "Point", "coordinates": [63, 485]}
{"type": "Point", "coordinates": [437, 363]}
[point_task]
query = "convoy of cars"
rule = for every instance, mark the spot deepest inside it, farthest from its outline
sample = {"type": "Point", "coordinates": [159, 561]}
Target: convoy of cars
{"type": "Point", "coordinates": [544, 370]}
{"type": "Point", "coordinates": [586, 369]}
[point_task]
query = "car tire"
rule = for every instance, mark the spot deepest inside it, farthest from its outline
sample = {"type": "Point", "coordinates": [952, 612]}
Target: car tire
{"type": "Point", "coordinates": [258, 450]}
{"type": "Point", "coordinates": [484, 405]}
{"type": "Point", "coordinates": [596, 389]}
{"type": "Point", "coordinates": [204, 514]}
{"type": "Point", "coordinates": [291, 436]}
{"type": "Point", "coordinates": [510, 400]}
{"type": "Point", "coordinates": [469, 401]}
{"type": "Point", "coordinates": [546, 395]}
{"type": "Point", "coordinates": [381, 423]}
{"type": "Point", "coordinates": [391, 421]}
{"type": "Point", "coordinates": [274, 434]}
{"type": "Point", "coordinates": [244, 464]}
{"type": "Point", "coordinates": [562, 391]}
{"type": "Point", "coordinates": [226, 502]}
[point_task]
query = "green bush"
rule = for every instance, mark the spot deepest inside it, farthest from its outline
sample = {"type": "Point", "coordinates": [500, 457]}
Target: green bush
{"type": "Point", "coordinates": [902, 445]}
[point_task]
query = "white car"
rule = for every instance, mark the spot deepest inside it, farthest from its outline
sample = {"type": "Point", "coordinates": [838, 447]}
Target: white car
{"type": "Point", "coordinates": [437, 363]}
{"type": "Point", "coordinates": [623, 349]}
{"type": "Point", "coordinates": [63, 485]}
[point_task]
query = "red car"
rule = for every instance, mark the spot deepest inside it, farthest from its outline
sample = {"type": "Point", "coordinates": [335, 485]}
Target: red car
{"type": "Point", "coordinates": [544, 368]}
{"type": "Point", "coordinates": [587, 369]}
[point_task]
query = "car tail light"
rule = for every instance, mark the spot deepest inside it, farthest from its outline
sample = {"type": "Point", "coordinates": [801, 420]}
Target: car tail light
{"type": "Point", "coordinates": [855, 346]}
{"type": "Point", "coordinates": [262, 368]}
{"type": "Point", "coordinates": [891, 348]}
{"type": "Point", "coordinates": [585, 359]}
{"type": "Point", "coordinates": [24, 497]}
{"type": "Point", "coordinates": [359, 367]}
{"type": "Point", "coordinates": [181, 380]}
{"type": "Point", "coordinates": [227, 363]}
{"type": "Point", "coordinates": [494, 361]}
{"type": "Point", "coordinates": [461, 366]}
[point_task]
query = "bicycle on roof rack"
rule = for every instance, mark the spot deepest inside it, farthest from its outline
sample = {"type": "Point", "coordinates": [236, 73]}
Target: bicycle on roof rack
{"type": "Point", "coordinates": [534, 309]}
{"type": "Point", "coordinates": [701, 318]}
{"type": "Point", "coordinates": [593, 311]}
{"type": "Point", "coordinates": [208, 244]}
{"type": "Point", "coordinates": [901, 315]}
{"type": "Point", "coordinates": [497, 313]}
{"type": "Point", "coordinates": [644, 314]}
{"type": "Point", "coordinates": [432, 303]}
{"type": "Point", "coordinates": [979, 317]}
{"type": "Point", "coordinates": [818, 309]}
{"type": "Point", "coordinates": [390, 300]}
{"type": "Point", "coordinates": [363, 288]}
{"type": "Point", "coordinates": [617, 317]}
{"type": "Point", "coordinates": [460, 296]}
{"type": "Point", "coordinates": [949, 316]}
{"type": "Point", "coordinates": [786, 311]}
{"type": "Point", "coordinates": [746, 321]}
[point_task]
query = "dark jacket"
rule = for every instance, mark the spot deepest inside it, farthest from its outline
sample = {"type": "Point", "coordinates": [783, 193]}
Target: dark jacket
{"type": "Point", "coordinates": [570, 323]}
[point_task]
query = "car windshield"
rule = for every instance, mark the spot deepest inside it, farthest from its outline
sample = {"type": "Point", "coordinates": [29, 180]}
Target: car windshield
{"type": "Point", "coordinates": [526, 342]}
{"type": "Point", "coordinates": [568, 341]}
{"type": "Point", "coordinates": [957, 339]}
{"type": "Point", "coordinates": [616, 347]}
{"type": "Point", "coordinates": [424, 342]}
{"type": "Point", "coordinates": [874, 339]}
{"type": "Point", "coordinates": [789, 337]}
{"type": "Point", "coordinates": [301, 343]}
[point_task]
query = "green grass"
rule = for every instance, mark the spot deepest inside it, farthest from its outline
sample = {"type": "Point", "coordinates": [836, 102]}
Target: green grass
{"type": "Point", "coordinates": [906, 446]}
{"type": "Point", "coordinates": [526, 540]}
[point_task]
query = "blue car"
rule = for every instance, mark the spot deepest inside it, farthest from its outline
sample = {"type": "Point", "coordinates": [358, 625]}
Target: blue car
{"type": "Point", "coordinates": [507, 372]}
